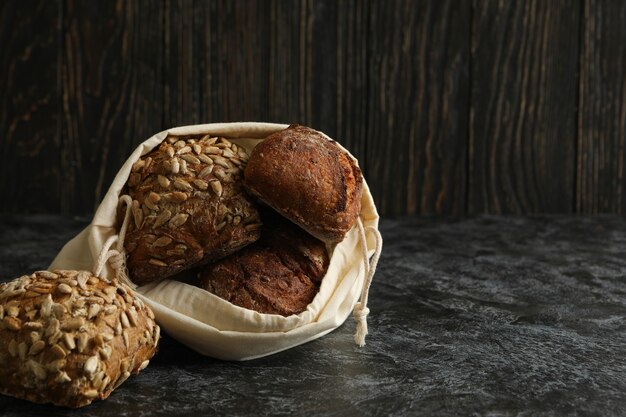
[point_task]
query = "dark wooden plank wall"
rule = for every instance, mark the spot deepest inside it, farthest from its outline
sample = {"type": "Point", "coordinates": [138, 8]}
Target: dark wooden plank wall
{"type": "Point", "coordinates": [452, 107]}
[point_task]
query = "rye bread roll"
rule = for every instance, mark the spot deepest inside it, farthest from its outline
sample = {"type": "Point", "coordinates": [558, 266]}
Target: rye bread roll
{"type": "Point", "coordinates": [69, 337]}
{"type": "Point", "coordinates": [308, 179]}
{"type": "Point", "coordinates": [279, 274]}
{"type": "Point", "coordinates": [189, 207]}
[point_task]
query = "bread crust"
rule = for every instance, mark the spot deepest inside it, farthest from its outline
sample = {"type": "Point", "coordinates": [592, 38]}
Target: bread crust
{"type": "Point", "coordinates": [69, 337]}
{"type": "Point", "coordinates": [279, 274]}
{"type": "Point", "coordinates": [308, 179]}
{"type": "Point", "coordinates": [189, 207]}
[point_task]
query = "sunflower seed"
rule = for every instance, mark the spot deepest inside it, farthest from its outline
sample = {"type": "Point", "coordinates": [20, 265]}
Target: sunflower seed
{"type": "Point", "coordinates": [74, 323]}
{"type": "Point", "coordinates": [182, 185]}
{"type": "Point", "coordinates": [91, 365]}
{"type": "Point", "coordinates": [62, 378]}
{"type": "Point", "coordinates": [121, 379]}
{"type": "Point", "coordinates": [178, 220]}
{"type": "Point", "coordinates": [183, 167]}
{"type": "Point", "coordinates": [124, 320]}
{"type": "Point", "coordinates": [221, 161]}
{"type": "Point", "coordinates": [13, 348]}
{"type": "Point", "coordinates": [93, 310]}
{"type": "Point", "coordinates": [58, 309]}
{"type": "Point", "coordinates": [202, 185]}
{"type": "Point", "coordinates": [228, 153]}
{"type": "Point", "coordinates": [253, 226]}
{"type": "Point", "coordinates": [22, 348]}
{"type": "Point", "coordinates": [13, 311]}
{"type": "Point", "coordinates": [137, 215]}
{"type": "Point", "coordinates": [212, 150]}
{"type": "Point", "coordinates": [179, 196]}
{"type": "Point", "coordinates": [106, 381]}
{"type": "Point", "coordinates": [110, 309]}
{"type": "Point", "coordinates": [176, 252]}
{"type": "Point", "coordinates": [163, 181]}
{"type": "Point", "coordinates": [179, 144]}
{"type": "Point", "coordinates": [91, 393]}
{"type": "Point", "coordinates": [148, 203]}
{"type": "Point", "coordinates": [138, 165]}
{"type": "Point", "coordinates": [34, 337]}
{"type": "Point", "coordinates": [37, 347]}
{"type": "Point", "coordinates": [150, 313]}
{"type": "Point", "coordinates": [220, 226]}
{"type": "Point", "coordinates": [12, 323]}
{"type": "Point", "coordinates": [107, 337]}
{"type": "Point", "coordinates": [162, 218]}
{"type": "Point", "coordinates": [156, 262]}
{"type": "Point", "coordinates": [162, 241]}
{"type": "Point", "coordinates": [37, 369]}
{"type": "Point", "coordinates": [57, 351]}
{"type": "Point", "coordinates": [181, 246]}
{"type": "Point", "coordinates": [206, 171]}
{"type": "Point", "coordinates": [192, 159]}
{"type": "Point", "coordinates": [157, 334]}
{"type": "Point", "coordinates": [204, 158]}
{"type": "Point", "coordinates": [144, 365]}
{"type": "Point", "coordinates": [134, 179]}
{"type": "Point", "coordinates": [183, 150]}
{"type": "Point", "coordinates": [236, 220]}
{"type": "Point", "coordinates": [170, 151]}
{"type": "Point", "coordinates": [68, 339]}
{"type": "Point", "coordinates": [105, 352]}
{"type": "Point", "coordinates": [147, 164]}
{"type": "Point", "coordinates": [197, 149]}
{"type": "Point", "coordinates": [1, 311]}
{"type": "Point", "coordinates": [97, 379]}
{"type": "Point", "coordinates": [216, 186]}
{"type": "Point", "coordinates": [64, 289]}
{"type": "Point", "coordinates": [126, 339]}
{"type": "Point", "coordinates": [175, 166]}
{"type": "Point", "coordinates": [81, 341]}
{"type": "Point", "coordinates": [47, 274]}
{"type": "Point", "coordinates": [80, 303]}
{"type": "Point", "coordinates": [82, 279]}
{"type": "Point", "coordinates": [53, 327]}
{"type": "Point", "coordinates": [221, 175]}
{"type": "Point", "coordinates": [118, 328]}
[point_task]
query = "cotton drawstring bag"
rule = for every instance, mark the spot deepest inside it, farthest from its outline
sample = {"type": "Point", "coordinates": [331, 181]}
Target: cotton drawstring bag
{"type": "Point", "coordinates": [206, 323]}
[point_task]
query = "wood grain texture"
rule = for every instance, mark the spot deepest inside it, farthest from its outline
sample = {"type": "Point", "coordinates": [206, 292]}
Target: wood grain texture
{"type": "Point", "coordinates": [30, 176]}
{"type": "Point", "coordinates": [523, 115]}
{"type": "Point", "coordinates": [416, 121]}
{"type": "Point", "coordinates": [602, 114]}
{"type": "Point", "coordinates": [112, 92]}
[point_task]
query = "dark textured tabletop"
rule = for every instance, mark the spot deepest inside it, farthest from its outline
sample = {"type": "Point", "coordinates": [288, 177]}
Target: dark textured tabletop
{"type": "Point", "coordinates": [481, 316]}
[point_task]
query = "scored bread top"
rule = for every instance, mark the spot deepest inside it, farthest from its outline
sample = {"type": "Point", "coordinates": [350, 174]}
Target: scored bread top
{"type": "Point", "coordinates": [69, 337]}
{"type": "Point", "coordinates": [308, 179]}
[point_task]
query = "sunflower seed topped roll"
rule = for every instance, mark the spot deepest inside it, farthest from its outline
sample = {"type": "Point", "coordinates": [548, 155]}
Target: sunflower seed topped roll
{"type": "Point", "coordinates": [69, 337]}
{"type": "Point", "coordinates": [189, 207]}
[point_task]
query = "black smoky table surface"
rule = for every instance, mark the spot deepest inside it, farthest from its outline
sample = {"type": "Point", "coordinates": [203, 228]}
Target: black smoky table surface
{"type": "Point", "coordinates": [477, 316]}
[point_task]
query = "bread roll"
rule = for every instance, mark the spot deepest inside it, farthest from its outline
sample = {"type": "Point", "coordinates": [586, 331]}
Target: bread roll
{"type": "Point", "coordinates": [189, 207]}
{"type": "Point", "coordinates": [279, 274]}
{"type": "Point", "coordinates": [69, 337]}
{"type": "Point", "coordinates": [308, 179]}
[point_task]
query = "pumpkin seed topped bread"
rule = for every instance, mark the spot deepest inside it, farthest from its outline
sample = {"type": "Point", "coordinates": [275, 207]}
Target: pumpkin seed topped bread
{"type": "Point", "coordinates": [189, 207]}
{"type": "Point", "coordinates": [308, 179]}
{"type": "Point", "coordinates": [69, 337]}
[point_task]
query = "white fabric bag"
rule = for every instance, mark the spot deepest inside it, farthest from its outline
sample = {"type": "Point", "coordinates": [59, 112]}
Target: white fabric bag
{"type": "Point", "coordinates": [207, 323]}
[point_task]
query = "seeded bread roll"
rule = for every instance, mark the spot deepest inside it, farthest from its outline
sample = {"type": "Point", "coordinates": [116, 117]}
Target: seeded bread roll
{"type": "Point", "coordinates": [279, 274]}
{"type": "Point", "coordinates": [69, 337]}
{"type": "Point", "coordinates": [189, 207]}
{"type": "Point", "coordinates": [308, 179]}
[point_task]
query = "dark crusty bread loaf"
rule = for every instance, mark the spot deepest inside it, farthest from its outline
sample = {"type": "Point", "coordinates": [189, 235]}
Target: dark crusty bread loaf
{"type": "Point", "coordinates": [279, 274]}
{"type": "Point", "coordinates": [308, 179]}
{"type": "Point", "coordinates": [69, 337]}
{"type": "Point", "coordinates": [189, 207]}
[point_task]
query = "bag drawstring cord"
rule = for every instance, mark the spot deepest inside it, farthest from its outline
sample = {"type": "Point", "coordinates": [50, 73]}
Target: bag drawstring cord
{"type": "Point", "coordinates": [360, 310]}
{"type": "Point", "coordinates": [117, 257]}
